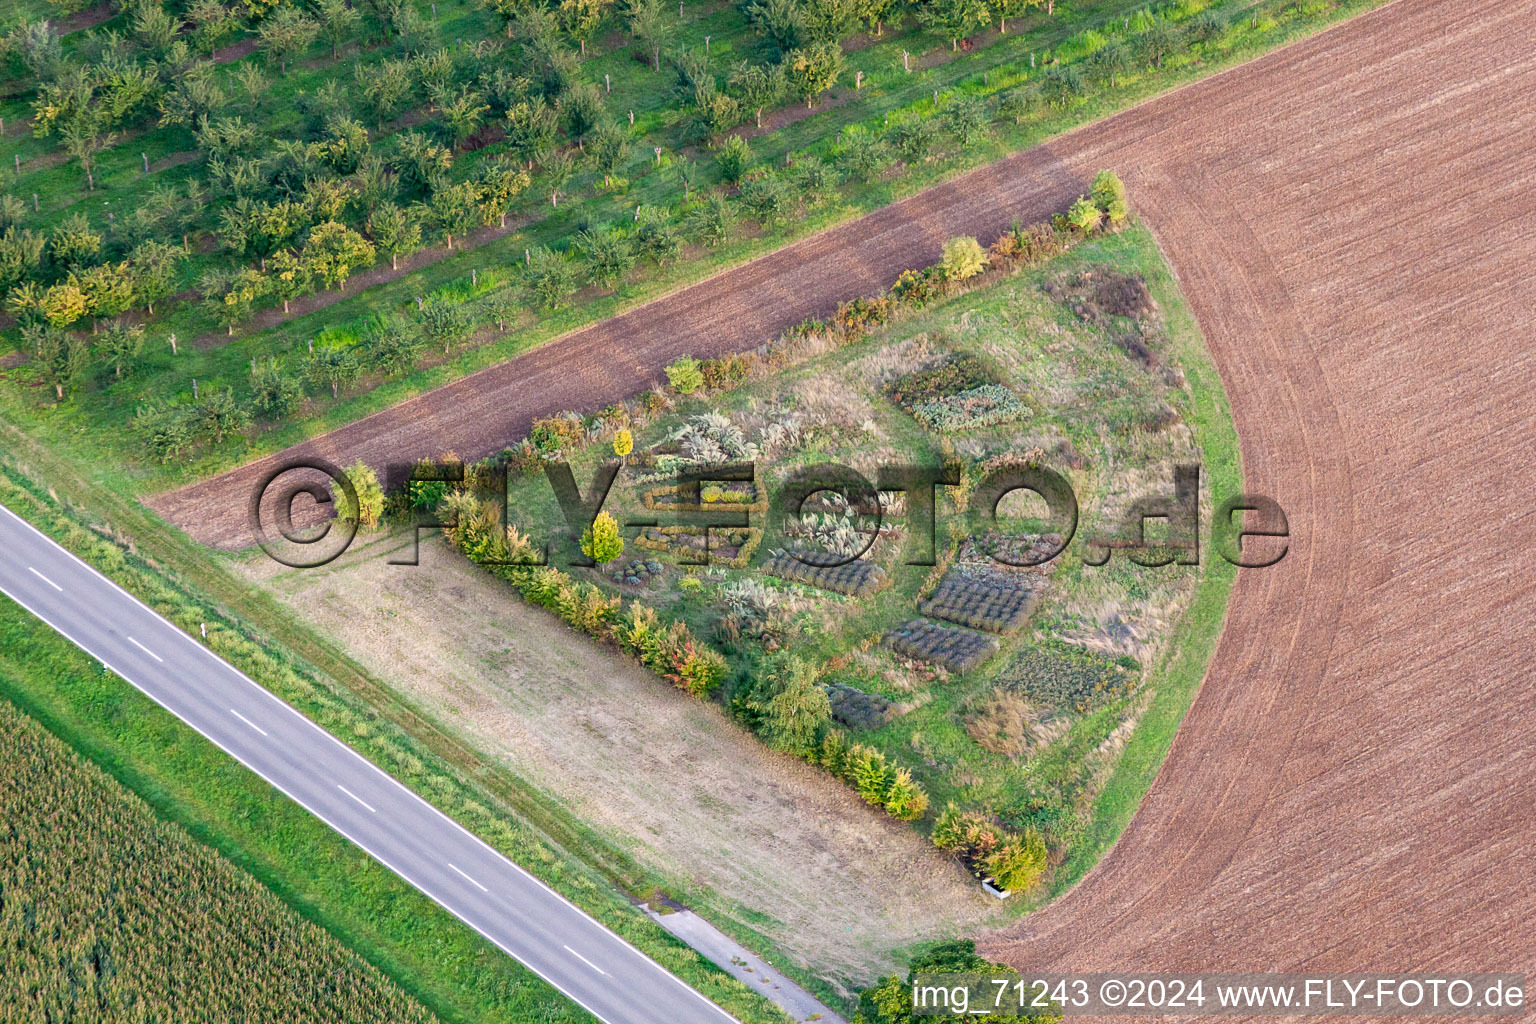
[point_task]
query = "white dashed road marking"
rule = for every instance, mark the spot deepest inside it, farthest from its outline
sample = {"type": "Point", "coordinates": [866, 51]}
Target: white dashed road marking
{"type": "Point", "coordinates": [247, 721]}
{"type": "Point", "coordinates": [589, 963]}
{"type": "Point", "coordinates": [476, 884]}
{"type": "Point", "coordinates": [45, 579]}
{"type": "Point", "coordinates": [146, 650]}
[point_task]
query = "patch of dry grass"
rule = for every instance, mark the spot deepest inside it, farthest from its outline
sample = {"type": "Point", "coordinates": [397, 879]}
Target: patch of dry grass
{"type": "Point", "coordinates": [669, 779]}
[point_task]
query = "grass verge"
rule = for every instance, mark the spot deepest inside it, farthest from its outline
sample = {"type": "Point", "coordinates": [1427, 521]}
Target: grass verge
{"type": "Point", "coordinates": [1194, 640]}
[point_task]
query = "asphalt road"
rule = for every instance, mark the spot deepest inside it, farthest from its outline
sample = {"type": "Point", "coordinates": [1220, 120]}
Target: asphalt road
{"type": "Point", "coordinates": [597, 969]}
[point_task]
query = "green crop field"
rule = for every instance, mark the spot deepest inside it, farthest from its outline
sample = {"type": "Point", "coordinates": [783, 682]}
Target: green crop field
{"type": "Point", "coordinates": [112, 914]}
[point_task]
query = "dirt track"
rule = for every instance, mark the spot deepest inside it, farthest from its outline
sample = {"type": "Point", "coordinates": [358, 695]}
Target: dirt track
{"type": "Point", "coordinates": [1354, 221]}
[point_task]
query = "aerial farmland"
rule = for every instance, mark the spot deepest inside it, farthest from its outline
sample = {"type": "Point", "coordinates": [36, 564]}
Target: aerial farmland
{"type": "Point", "coordinates": [763, 511]}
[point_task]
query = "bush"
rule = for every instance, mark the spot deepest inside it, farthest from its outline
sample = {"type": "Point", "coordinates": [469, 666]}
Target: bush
{"type": "Point", "coordinates": [790, 708]}
{"type": "Point", "coordinates": [554, 435]}
{"type": "Point", "coordinates": [623, 443]}
{"type": "Point", "coordinates": [904, 798]}
{"type": "Point", "coordinates": [1085, 215]}
{"type": "Point", "coordinates": [915, 287]}
{"type": "Point", "coordinates": [856, 317]}
{"type": "Point", "coordinates": [685, 376]}
{"type": "Point", "coordinates": [725, 372]}
{"type": "Point", "coordinates": [832, 755]}
{"type": "Point", "coordinates": [1061, 84]}
{"type": "Point", "coordinates": [601, 541]}
{"type": "Point", "coordinates": [1018, 863]}
{"type": "Point", "coordinates": [734, 159]}
{"type": "Point", "coordinates": [445, 323]}
{"type": "Point", "coordinates": [274, 392]}
{"type": "Point", "coordinates": [964, 258]}
{"type": "Point", "coordinates": [1107, 188]}
{"type": "Point", "coordinates": [370, 497]}
{"type": "Point", "coordinates": [869, 773]}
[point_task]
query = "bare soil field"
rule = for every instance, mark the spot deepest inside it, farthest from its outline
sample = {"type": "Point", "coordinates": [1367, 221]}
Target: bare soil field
{"type": "Point", "coordinates": [1354, 222]}
{"type": "Point", "coordinates": [673, 781]}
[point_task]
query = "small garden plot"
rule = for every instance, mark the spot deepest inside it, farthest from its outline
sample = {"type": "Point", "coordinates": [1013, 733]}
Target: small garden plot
{"type": "Point", "coordinates": [984, 406]}
{"type": "Point", "coordinates": [1115, 301]}
{"type": "Point", "coordinates": [1101, 294]}
{"type": "Point", "coordinates": [693, 545]}
{"type": "Point", "coordinates": [953, 374]}
{"type": "Point", "coordinates": [859, 710]}
{"type": "Point", "coordinates": [836, 534]}
{"type": "Point", "coordinates": [996, 607]}
{"type": "Point", "coordinates": [1059, 676]}
{"type": "Point", "coordinates": [856, 579]}
{"type": "Point", "coordinates": [639, 573]}
{"type": "Point", "coordinates": [958, 650]}
{"type": "Point", "coordinates": [923, 673]}
{"type": "Point", "coordinates": [1006, 723]}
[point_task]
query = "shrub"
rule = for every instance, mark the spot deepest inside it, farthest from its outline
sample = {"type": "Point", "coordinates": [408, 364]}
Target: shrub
{"type": "Point", "coordinates": [832, 754]}
{"type": "Point", "coordinates": [856, 317]}
{"type": "Point", "coordinates": [585, 607]}
{"type": "Point", "coordinates": [556, 434]}
{"type": "Point", "coordinates": [734, 159]}
{"type": "Point", "coordinates": [601, 541]}
{"type": "Point", "coordinates": [446, 323]}
{"type": "Point", "coordinates": [725, 372]}
{"type": "Point", "coordinates": [1085, 215]}
{"type": "Point", "coordinates": [623, 443]}
{"type": "Point", "coordinates": [274, 392]}
{"type": "Point", "coordinates": [1206, 26]}
{"type": "Point", "coordinates": [869, 773]}
{"type": "Point", "coordinates": [1018, 862]}
{"type": "Point", "coordinates": [967, 834]}
{"type": "Point", "coordinates": [915, 287]}
{"type": "Point", "coordinates": [685, 376]}
{"type": "Point", "coordinates": [370, 497]}
{"type": "Point", "coordinates": [1061, 84]}
{"type": "Point", "coordinates": [964, 258]}
{"type": "Point", "coordinates": [792, 708]}
{"type": "Point", "coordinates": [671, 652]}
{"type": "Point", "coordinates": [1107, 188]}
{"type": "Point", "coordinates": [690, 666]}
{"type": "Point", "coordinates": [904, 798]}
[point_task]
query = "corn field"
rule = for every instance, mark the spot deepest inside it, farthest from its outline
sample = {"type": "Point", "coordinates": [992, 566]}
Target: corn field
{"type": "Point", "coordinates": [108, 914]}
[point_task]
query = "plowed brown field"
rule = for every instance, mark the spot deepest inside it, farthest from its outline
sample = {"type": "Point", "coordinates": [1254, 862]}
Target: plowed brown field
{"type": "Point", "coordinates": [1354, 221]}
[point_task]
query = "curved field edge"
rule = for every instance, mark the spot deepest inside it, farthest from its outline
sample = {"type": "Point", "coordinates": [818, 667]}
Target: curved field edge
{"type": "Point", "coordinates": [82, 439]}
{"type": "Point", "coordinates": [1183, 665]}
{"type": "Point", "coordinates": [158, 908]}
{"type": "Point", "coordinates": [431, 955]}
